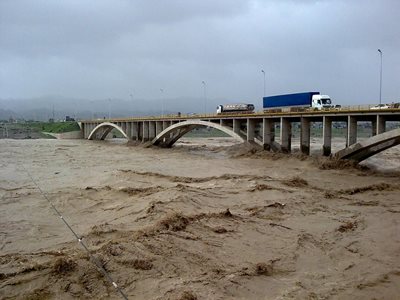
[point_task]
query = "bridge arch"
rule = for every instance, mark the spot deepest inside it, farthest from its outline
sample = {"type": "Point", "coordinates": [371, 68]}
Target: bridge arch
{"type": "Point", "coordinates": [170, 135]}
{"type": "Point", "coordinates": [369, 147]}
{"type": "Point", "coordinates": [104, 129]}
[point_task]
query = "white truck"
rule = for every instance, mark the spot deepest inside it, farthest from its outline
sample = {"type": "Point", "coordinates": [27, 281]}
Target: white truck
{"type": "Point", "coordinates": [298, 102]}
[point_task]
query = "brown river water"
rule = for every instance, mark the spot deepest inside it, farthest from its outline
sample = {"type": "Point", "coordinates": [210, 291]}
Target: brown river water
{"type": "Point", "coordinates": [207, 219]}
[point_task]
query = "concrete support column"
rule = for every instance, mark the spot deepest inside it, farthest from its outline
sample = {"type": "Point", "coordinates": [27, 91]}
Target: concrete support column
{"type": "Point", "coordinates": [159, 127]}
{"type": "Point", "coordinates": [165, 124]}
{"type": "Point", "coordinates": [251, 126]}
{"type": "Point", "coordinates": [374, 127]}
{"type": "Point", "coordinates": [305, 136]}
{"type": "Point", "coordinates": [223, 122]}
{"type": "Point", "coordinates": [171, 135]}
{"type": "Point", "coordinates": [128, 129]}
{"type": "Point", "coordinates": [134, 129]}
{"type": "Point", "coordinates": [327, 136]}
{"type": "Point", "coordinates": [351, 131]}
{"type": "Point", "coordinates": [286, 135]}
{"type": "Point", "coordinates": [123, 126]}
{"type": "Point", "coordinates": [90, 128]}
{"type": "Point", "coordinates": [85, 130]}
{"type": "Point", "coordinates": [381, 124]}
{"type": "Point", "coordinates": [145, 136]}
{"type": "Point", "coordinates": [139, 131]}
{"type": "Point", "coordinates": [268, 133]}
{"type": "Point", "coordinates": [236, 126]}
{"type": "Point", "coordinates": [152, 130]}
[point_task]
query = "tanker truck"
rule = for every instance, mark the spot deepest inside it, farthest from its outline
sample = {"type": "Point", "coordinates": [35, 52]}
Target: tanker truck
{"type": "Point", "coordinates": [240, 108]}
{"type": "Point", "coordinates": [298, 102]}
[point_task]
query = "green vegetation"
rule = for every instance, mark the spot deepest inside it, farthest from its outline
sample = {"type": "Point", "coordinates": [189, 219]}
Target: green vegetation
{"type": "Point", "coordinates": [57, 127]}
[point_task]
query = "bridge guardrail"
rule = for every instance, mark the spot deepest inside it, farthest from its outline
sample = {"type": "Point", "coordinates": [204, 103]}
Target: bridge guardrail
{"type": "Point", "coordinates": [394, 107]}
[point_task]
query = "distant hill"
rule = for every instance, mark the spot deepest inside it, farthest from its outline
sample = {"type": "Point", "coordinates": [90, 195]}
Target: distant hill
{"type": "Point", "coordinates": [6, 114]}
{"type": "Point", "coordinates": [41, 109]}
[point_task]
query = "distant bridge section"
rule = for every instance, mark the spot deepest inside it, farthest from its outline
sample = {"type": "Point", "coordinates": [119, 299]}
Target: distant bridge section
{"type": "Point", "coordinates": [261, 128]}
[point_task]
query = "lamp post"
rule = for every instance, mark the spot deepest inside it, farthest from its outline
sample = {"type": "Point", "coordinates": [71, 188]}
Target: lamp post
{"type": "Point", "coordinates": [205, 97]}
{"type": "Point", "coordinates": [264, 81]}
{"type": "Point", "coordinates": [380, 81]}
{"type": "Point", "coordinates": [109, 108]}
{"type": "Point", "coordinates": [162, 102]}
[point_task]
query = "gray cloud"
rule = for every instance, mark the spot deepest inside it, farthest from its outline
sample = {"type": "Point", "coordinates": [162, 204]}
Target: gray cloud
{"type": "Point", "coordinates": [102, 49]}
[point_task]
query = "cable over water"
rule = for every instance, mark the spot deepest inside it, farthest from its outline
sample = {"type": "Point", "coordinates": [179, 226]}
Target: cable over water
{"type": "Point", "coordinates": [79, 239]}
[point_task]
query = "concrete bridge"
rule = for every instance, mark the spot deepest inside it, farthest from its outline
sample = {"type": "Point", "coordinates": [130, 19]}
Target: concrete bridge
{"type": "Point", "coordinates": [259, 128]}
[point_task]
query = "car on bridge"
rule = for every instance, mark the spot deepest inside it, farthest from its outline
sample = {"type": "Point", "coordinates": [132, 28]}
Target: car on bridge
{"type": "Point", "coordinates": [380, 106]}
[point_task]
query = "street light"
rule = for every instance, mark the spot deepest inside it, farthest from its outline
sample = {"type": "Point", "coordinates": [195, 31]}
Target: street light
{"type": "Point", "coordinates": [264, 80]}
{"type": "Point", "coordinates": [380, 82]}
{"type": "Point", "coordinates": [162, 103]}
{"type": "Point", "coordinates": [109, 108]}
{"type": "Point", "coordinates": [205, 97]}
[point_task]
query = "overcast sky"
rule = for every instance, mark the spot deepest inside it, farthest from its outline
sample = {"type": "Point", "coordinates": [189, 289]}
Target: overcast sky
{"type": "Point", "coordinates": [103, 49]}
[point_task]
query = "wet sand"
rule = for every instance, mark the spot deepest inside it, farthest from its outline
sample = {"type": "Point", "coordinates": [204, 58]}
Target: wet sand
{"type": "Point", "coordinates": [205, 220]}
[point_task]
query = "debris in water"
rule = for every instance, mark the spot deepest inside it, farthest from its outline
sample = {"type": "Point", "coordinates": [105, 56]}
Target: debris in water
{"type": "Point", "coordinates": [277, 205]}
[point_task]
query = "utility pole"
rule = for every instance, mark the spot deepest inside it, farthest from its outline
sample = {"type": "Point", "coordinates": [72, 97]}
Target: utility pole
{"type": "Point", "coordinates": [264, 81]}
{"type": "Point", "coordinates": [380, 81]}
{"type": "Point", "coordinates": [109, 108]}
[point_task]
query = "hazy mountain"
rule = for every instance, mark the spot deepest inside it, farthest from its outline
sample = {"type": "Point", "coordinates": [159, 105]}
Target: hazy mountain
{"type": "Point", "coordinates": [44, 107]}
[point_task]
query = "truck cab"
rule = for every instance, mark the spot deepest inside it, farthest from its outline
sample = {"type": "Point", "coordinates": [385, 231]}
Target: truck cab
{"type": "Point", "coordinates": [320, 102]}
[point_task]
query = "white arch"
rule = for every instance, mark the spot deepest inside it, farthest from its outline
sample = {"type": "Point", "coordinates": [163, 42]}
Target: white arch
{"type": "Point", "coordinates": [107, 126]}
{"type": "Point", "coordinates": [364, 149]}
{"type": "Point", "coordinates": [187, 126]}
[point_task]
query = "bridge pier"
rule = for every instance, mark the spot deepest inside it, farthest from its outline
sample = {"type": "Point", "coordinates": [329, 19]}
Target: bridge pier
{"type": "Point", "coordinates": [286, 135]}
{"type": "Point", "coordinates": [159, 127]}
{"type": "Point", "coordinates": [268, 133]}
{"type": "Point", "coordinates": [135, 133]}
{"type": "Point", "coordinates": [128, 129]}
{"type": "Point", "coordinates": [251, 124]}
{"type": "Point", "coordinates": [152, 130]}
{"type": "Point", "coordinates": [145, 131]}
{"type": "Point", "coordinates": [305, 131]}
{"type": "Point", "coordinates": [351, 130]}
{"type": "Point", "coordinates": [124, 126]}
{"type": "Point", "coordinates": [139, 131]}
{"type": "Point", "coordinates": [327, 136]}
{"type": "Point", "coordinates": [236, 126]}
{"type": "Point", "coordinates": [380, 124]}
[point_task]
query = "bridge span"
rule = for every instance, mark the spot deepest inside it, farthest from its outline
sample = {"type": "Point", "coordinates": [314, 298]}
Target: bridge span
{"type": "Point", "coordinates": [259, 128]}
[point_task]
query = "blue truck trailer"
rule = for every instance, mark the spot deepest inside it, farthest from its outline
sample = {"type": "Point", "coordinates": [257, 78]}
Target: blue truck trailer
{"type": "Point", "coordinates": [297, 102]}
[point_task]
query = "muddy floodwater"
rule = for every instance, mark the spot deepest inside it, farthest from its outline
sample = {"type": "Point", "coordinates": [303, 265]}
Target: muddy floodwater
{"type": "Point", "coordinates": [207, 219]}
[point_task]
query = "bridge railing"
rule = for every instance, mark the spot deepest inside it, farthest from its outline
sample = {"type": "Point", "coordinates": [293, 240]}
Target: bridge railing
{"type": "Point", "coordinates": [345, 108]}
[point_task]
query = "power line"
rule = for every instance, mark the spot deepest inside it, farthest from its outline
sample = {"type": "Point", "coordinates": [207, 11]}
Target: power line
{"type": "Point", "coordinates": [92, 257]}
